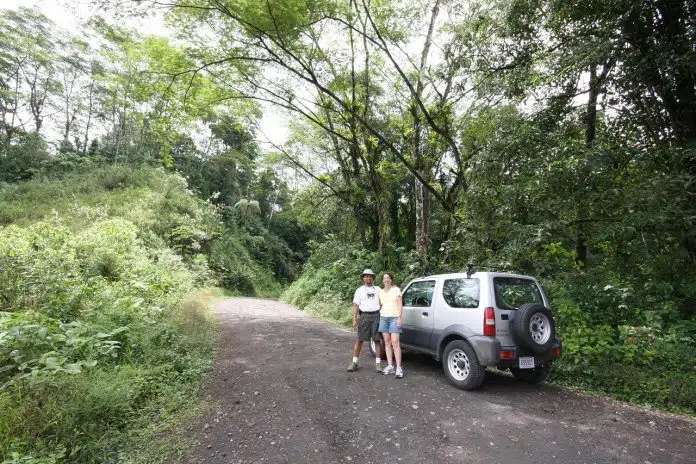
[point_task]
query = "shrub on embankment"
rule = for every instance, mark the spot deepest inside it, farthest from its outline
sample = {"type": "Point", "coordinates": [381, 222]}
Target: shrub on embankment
{"type": "Point", "coordinates": [103, 337]}
{"type": "Point", "coordinates": [642, 352]}
{"type": "Point", "coordinates": [332, 273]}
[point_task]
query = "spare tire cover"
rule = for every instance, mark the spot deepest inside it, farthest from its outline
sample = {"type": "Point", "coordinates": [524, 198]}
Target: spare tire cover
{"type": "Point", "coordinates": [534, 327]}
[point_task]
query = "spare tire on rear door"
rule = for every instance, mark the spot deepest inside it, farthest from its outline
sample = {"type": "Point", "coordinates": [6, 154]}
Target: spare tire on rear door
{"type": "Point", "coordinates": [534, 328]}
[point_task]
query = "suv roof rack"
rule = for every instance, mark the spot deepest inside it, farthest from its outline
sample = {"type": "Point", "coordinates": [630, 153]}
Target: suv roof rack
{"type": "Point", "coordinates": [469, 270]}
{"type": "Point", "coordinates": [470, 267]}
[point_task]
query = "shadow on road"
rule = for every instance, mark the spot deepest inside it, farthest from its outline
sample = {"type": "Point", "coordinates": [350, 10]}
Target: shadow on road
{"type": "Point", "coordinates": [495, 382]}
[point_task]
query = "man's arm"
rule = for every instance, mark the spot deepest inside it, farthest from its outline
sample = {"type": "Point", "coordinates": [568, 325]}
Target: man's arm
{"type": "Point", "coordinates": [355, 315]}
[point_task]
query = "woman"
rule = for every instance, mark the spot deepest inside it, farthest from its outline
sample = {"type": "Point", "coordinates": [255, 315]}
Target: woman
{"type": "Point", "coordinates": [390, 323]}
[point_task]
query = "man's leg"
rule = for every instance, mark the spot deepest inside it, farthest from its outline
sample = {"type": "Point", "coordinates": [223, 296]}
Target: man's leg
{"type": "Point", "coordinates": [375, 337]}
{"type": "Point", "coordinates": [356, 348]}
{"type": "Point", "coordinates": [353, 366]}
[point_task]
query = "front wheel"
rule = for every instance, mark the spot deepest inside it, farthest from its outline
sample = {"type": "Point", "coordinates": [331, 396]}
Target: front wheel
{"type": "Point", "coordinates": [461, 365]}
{"type": "Point", "coordinates": [536, 375]}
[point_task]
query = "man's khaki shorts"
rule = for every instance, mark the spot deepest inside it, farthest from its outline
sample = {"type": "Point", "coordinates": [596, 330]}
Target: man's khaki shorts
{"type": "Point", "coordinates": [368, 325]}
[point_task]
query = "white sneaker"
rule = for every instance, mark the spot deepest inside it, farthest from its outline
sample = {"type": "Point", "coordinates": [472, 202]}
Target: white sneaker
{"type": "Point", "coordinates": [388, 370]}
{"type": "Point", "coordinates": [399, 373]}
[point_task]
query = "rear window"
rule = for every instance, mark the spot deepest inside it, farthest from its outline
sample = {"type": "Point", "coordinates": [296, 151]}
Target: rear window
{"type": "Point", "coordinates": [461, 293]}
{"type": "Point", "coordinates": [420, 294]}
{"type": "Point", "coordinates": [511, 293]}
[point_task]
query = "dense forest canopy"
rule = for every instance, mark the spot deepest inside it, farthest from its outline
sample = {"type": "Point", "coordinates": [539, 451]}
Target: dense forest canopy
{"type": "Point", "coordinates": [413, 95]}
{"type": "Point", "coordinates": [551, 137]}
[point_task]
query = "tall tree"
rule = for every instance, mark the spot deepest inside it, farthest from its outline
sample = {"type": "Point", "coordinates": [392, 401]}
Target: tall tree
{"type": "Point", "coordinates": [292, 42]}
{"type": "Point", "coordinates": [27, 73]}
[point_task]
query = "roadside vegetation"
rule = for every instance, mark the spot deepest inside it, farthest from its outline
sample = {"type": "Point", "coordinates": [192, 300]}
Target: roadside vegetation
{"type": "Point", "coordinates": [103, 336]}
{"type": "Point", "coordinates": [118, 231]}
{"type": "Point", "coordinates": [106, 278]}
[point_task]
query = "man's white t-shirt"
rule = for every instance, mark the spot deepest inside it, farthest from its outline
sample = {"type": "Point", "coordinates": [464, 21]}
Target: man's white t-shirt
{"type": "Point", "coordinates": [366, 298]}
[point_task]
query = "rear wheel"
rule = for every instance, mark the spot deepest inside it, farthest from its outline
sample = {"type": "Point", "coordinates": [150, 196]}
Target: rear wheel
{"type": "Point", "coordinates": [536, 375]}
{"type": "Point", "coordinates": [461, 365]}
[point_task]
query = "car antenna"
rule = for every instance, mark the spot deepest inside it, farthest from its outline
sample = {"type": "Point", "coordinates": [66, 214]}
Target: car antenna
{"type": "Point", "coordinates": [469, 269]}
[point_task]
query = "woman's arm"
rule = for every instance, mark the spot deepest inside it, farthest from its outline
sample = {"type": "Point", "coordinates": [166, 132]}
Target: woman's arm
{"type": "Point", "coordinates": [400, 306]}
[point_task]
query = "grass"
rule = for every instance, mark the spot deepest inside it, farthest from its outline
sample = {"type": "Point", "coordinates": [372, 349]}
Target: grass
{"type": "Point", "coordinates": [334, 311]}
{"type": "Point", "coordinates": [157, 441]}
{"type": "Point", "coordinates": [116, 187]}
{"type": "Point", "coordinates": [131, 412]}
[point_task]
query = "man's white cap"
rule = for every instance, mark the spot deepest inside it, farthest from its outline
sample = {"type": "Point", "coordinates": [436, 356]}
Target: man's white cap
{"type": "Point", "coordinates": [367, 272]}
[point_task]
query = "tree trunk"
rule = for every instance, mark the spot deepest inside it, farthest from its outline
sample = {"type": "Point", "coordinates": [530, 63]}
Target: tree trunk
{"type": "Point", "coordinates": [422, 219]}
{"type": "Point", "coordinates": [361, 223]}
{"type": "Point", "coordinates": [422, 194]}
{"type": "Point", "coordinates": [384, 219]}
{"type": "Point", "coordinates": [675, 25]}
{"type": "Point", "coordinates": [590, 136]}
{"type": "Point", "coordinates": [394, 211]}
{"type": "Point", "coordinates": [90, 108]}
{"type": "Point", "coordinates": [374, 226]}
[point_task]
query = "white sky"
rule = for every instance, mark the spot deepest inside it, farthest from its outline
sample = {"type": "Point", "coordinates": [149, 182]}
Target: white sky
{"type": "Point", "coordinates": [68, 14]}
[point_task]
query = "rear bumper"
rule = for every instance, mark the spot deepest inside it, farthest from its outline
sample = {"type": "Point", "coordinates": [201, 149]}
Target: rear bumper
{"type": "Point", "coordinates": [487, 349]}
{"type": "Point", "coordinates": [539, 358]}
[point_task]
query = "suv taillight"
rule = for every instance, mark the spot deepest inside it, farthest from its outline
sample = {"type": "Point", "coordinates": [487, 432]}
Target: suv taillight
{"type": "Point", "coordinates": [489, 322]}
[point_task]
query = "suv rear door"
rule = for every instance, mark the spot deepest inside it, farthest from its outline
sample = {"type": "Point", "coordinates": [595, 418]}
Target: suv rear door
{"type": "Point", "coordinates": [509, 293]}
{"type": "Point", "coordinates": [418, 313]}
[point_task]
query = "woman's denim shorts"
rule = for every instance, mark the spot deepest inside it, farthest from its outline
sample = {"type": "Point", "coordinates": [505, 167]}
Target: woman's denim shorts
{"type": "Point", "coordinates": [388, 325]}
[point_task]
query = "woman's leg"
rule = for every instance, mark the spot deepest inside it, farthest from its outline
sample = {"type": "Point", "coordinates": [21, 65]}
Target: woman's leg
{"type": "Point", "coordinates": [395, 346]}
{"type": "Point", "coordinates": [387, 348]}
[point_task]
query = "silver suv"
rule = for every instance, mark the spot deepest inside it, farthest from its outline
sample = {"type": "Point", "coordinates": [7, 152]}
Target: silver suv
{"type": "Point", "coordinates": [471, 321]}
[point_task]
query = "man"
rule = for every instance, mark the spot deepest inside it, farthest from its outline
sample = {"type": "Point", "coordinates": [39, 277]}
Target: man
{"type": "Point", "coordinates": [366, 305]}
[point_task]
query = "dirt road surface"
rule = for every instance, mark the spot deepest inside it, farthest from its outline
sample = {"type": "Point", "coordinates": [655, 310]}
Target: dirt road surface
{"type": "Point", "coordinates": [280, 393]}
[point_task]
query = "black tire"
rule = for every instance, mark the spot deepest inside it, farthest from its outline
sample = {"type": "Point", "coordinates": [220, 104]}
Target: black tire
{"type": "Point", "coordinates": [534, 327]}
{"type": "Point", "coordinates": [461, 365]}
{"type": "Point", "coordinates": [533, 376]}
{"type": "Point", "coordinates": [372, 344]}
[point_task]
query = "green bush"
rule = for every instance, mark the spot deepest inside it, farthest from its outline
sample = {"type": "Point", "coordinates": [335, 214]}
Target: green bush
{"type": "Point", "coordinates": [23, 158]}
{"type": "Point", "coordinates": [332, 274]}
{"type": "Point", "coordinates": [99, 348]}
{"type": "Point", "coordinates": [648, 364]}
{"type": "Point", "coordinates": [238, 271]}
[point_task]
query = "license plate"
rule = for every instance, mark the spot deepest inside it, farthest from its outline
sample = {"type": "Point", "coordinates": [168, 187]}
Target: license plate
{"type": "Point", "coordinates": [527, 362]}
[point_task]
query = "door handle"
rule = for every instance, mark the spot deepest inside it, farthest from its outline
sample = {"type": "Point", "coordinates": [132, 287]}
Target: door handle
{"type": "Point", "coordinates": [424, 313]}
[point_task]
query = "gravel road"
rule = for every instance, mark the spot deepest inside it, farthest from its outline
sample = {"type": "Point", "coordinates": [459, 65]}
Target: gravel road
{"type": "Point", "coordinates": [279, 392]}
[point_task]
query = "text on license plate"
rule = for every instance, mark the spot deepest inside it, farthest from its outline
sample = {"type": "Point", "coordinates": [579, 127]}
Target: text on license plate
{"type": "Point", "coordinates": [527, 362]}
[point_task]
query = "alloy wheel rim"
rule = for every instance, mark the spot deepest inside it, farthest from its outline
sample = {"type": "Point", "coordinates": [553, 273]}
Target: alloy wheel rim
{"type": "Point", "coordinates": [540, 328]}
{"type": "Point", "coordinates": [458, 363]}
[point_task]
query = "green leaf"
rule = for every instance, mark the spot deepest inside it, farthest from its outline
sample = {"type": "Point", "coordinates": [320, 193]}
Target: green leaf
{"type": "Point", "coordinates": [54, 363]}
{"type": "Point", "coordinates": [73, 368]}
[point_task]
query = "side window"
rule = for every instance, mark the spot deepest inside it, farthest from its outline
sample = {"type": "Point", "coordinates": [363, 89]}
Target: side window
{"type": "Point", "coordinates": [511, 293]}
{"type": "Point", "coordinates": [461, 293]}
{"type": "Point", "coordinates": [420, 294]}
